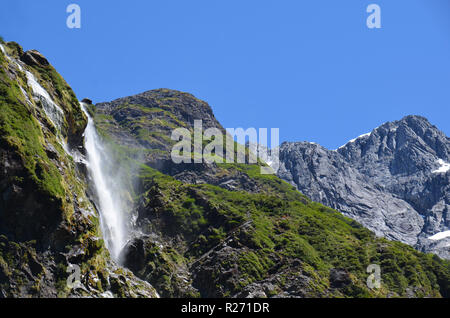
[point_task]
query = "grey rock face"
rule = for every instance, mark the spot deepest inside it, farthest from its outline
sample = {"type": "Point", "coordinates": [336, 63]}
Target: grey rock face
{"type": "Point", "coordinates": [395, 180]}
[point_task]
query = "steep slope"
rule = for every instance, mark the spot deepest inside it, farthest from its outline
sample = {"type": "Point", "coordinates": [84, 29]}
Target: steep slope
{"type": "Point", "coordinates": [225, 230]}
{"type": "Point", "coordinates": [210, 230]}
{"type": "Point", "coordinates": [393, 180]}
{"type": "Point", "coordinates": [47, 221]}
{"type": "Point", "coordinates": [146, 120]}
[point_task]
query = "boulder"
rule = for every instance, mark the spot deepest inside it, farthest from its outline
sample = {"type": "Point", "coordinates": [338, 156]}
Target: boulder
{"type": "Point", "coordinates": [34, 58]}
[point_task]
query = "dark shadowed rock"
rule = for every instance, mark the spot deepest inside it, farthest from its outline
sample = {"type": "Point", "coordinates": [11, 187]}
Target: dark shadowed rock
{"type": "Point", "coordinates": [34, 58]}
{"type": "Point", "coordinates": [87, 101]}
{"type": "Point", "coordinates": [339, 278]}
{"type": "Point", "coordinates": [133, 255]}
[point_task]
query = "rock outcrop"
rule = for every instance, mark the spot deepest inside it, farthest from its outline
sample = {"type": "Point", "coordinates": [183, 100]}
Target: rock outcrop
{"type": "Point", "coordinates": [48, 225]}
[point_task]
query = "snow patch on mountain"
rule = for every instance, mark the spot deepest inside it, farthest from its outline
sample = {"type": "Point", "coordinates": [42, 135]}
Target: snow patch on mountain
{"type": "Point", "coordinates": [440, 236]}
{"type": "Point", "coordinates": [443, 168]}
{"type": "Point", "coordinates": [353, 140]}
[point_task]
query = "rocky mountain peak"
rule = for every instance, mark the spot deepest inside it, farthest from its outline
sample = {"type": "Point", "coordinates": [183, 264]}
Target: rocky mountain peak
{"type": "Point", "coordinates": [218, 230]}
{"type": "Point", "coordinates": [394, 180]}
{"type": "Point", "coordinates": [184, 106]}
{"type": "Point", "coordinates": [393, 144]}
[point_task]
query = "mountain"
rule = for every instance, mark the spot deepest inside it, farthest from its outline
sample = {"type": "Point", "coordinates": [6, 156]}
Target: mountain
{"type": "Point", "coordinates": [395, 181]}
{"type": "Point", "coordinates": [192, 229]}
{"type": "Point", "coordinates": [220, 230]}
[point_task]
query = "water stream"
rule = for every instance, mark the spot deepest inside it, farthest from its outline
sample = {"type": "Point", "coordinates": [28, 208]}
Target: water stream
{"type": "Point", "coordinates": [108, 203]}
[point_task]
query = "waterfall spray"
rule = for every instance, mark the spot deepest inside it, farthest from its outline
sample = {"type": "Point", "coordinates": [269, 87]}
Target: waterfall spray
{"type": "Point", "coordinates": [108, 203]}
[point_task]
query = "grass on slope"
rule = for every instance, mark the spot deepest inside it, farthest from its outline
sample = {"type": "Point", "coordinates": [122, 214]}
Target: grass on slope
{"type": "Point", "coordinates": [286, 225]}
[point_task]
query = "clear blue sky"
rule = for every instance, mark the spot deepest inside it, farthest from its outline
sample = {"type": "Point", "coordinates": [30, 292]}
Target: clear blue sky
{"type": "Point", "coordinates": [311, 68]}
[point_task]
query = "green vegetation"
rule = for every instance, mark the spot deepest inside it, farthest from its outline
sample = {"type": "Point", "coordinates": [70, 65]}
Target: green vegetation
{"type": "Point", "coordinates": [43, 195]}
{"type": "Point", "coordinates": [16, 260]}
{"type": "Point", "coordinates": [46, 175]}
{"type": "Point", "coordinates": [14, 49]}
{"type": "Point", "coordinates": [269, 228]}
{"type": "Point", "coordinates": [263, 230]}
{"type": "Point", "coordinates": [283, 225]}
{"type": "Point", "coordinates": [21, 132]}
{"type": "Point", "coordinates": [63, 96]}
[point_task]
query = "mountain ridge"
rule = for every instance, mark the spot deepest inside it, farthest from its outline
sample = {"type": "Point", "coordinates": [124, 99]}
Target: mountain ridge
{"type": "Point", "coordinates": [395, 167]}
{"type": "Point", "coordinates": [197, 182]}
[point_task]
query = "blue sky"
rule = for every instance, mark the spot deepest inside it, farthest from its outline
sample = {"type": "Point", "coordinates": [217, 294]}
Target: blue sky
{"type": "Point", "coordinates": [311, 68]}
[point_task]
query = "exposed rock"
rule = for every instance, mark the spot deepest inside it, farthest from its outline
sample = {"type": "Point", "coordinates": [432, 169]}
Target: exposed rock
{"type": "Point", "coordinates": [87, 101]}
{"type": "Point", "coordinates": [339, 278]}
{"type": "Point", "coordinates": [147, 120]}
{"type": "Point", "coordinates": [387, 180]}
{"type": "Point", "coordinates": [34, 58]}
{"type": "Point", "coordinates": [210, 230]}
{"type": "Point", "coordinates": [215, 230]}
{"type": "Point", "coordinates": [133, 255]}
{"type": "Point", "coordinates": [47, 222]}
{"type": "Point", "coordinates": [185, 107]}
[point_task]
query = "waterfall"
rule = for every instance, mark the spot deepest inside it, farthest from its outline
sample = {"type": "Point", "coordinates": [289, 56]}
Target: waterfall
{"type": "Point", "coordinates": [106, 186]}
{"type": "Point", "coordinates": [53, 111]}
{"type": "Point", "coordinates": [108, 203]}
